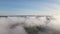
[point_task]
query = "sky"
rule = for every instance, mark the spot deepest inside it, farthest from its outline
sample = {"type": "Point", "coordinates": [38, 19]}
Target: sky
{"type": "Point", "coordinates": [29, 7]}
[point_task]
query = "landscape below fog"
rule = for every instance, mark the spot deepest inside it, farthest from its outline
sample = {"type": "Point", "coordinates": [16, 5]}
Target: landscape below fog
{"type": "Point", "coordinates": [30, 24]}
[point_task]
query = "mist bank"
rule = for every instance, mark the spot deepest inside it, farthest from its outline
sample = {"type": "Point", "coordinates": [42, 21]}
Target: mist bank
{"type": "Point", "coordinates": [17, 25]}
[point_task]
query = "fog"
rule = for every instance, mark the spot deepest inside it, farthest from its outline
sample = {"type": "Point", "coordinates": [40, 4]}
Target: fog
{"type": "Point", "coordinates": [16, 25]}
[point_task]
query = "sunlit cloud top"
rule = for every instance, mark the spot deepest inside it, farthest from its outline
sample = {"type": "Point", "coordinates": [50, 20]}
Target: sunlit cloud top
{"type": "Point", "coordinates": [29, 7]}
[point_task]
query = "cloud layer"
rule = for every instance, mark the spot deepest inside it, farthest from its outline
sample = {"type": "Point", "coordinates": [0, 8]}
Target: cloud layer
{"type": "Point", "coordinates": [18, 24]}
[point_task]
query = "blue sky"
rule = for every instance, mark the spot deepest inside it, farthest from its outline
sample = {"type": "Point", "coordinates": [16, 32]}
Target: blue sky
{"type": "Point", "coordinates": [29, 7]}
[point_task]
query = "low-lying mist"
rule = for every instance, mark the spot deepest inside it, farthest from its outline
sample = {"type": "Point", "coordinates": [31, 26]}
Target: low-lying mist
{"type": "Point", "coordinates": [30, 25]}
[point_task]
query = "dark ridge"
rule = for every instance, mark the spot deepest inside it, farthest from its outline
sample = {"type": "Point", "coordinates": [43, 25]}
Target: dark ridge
{"type": "Point", "coordinates": [24, 15]}
{"type": "Point", "coordinates": [3, 16]}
